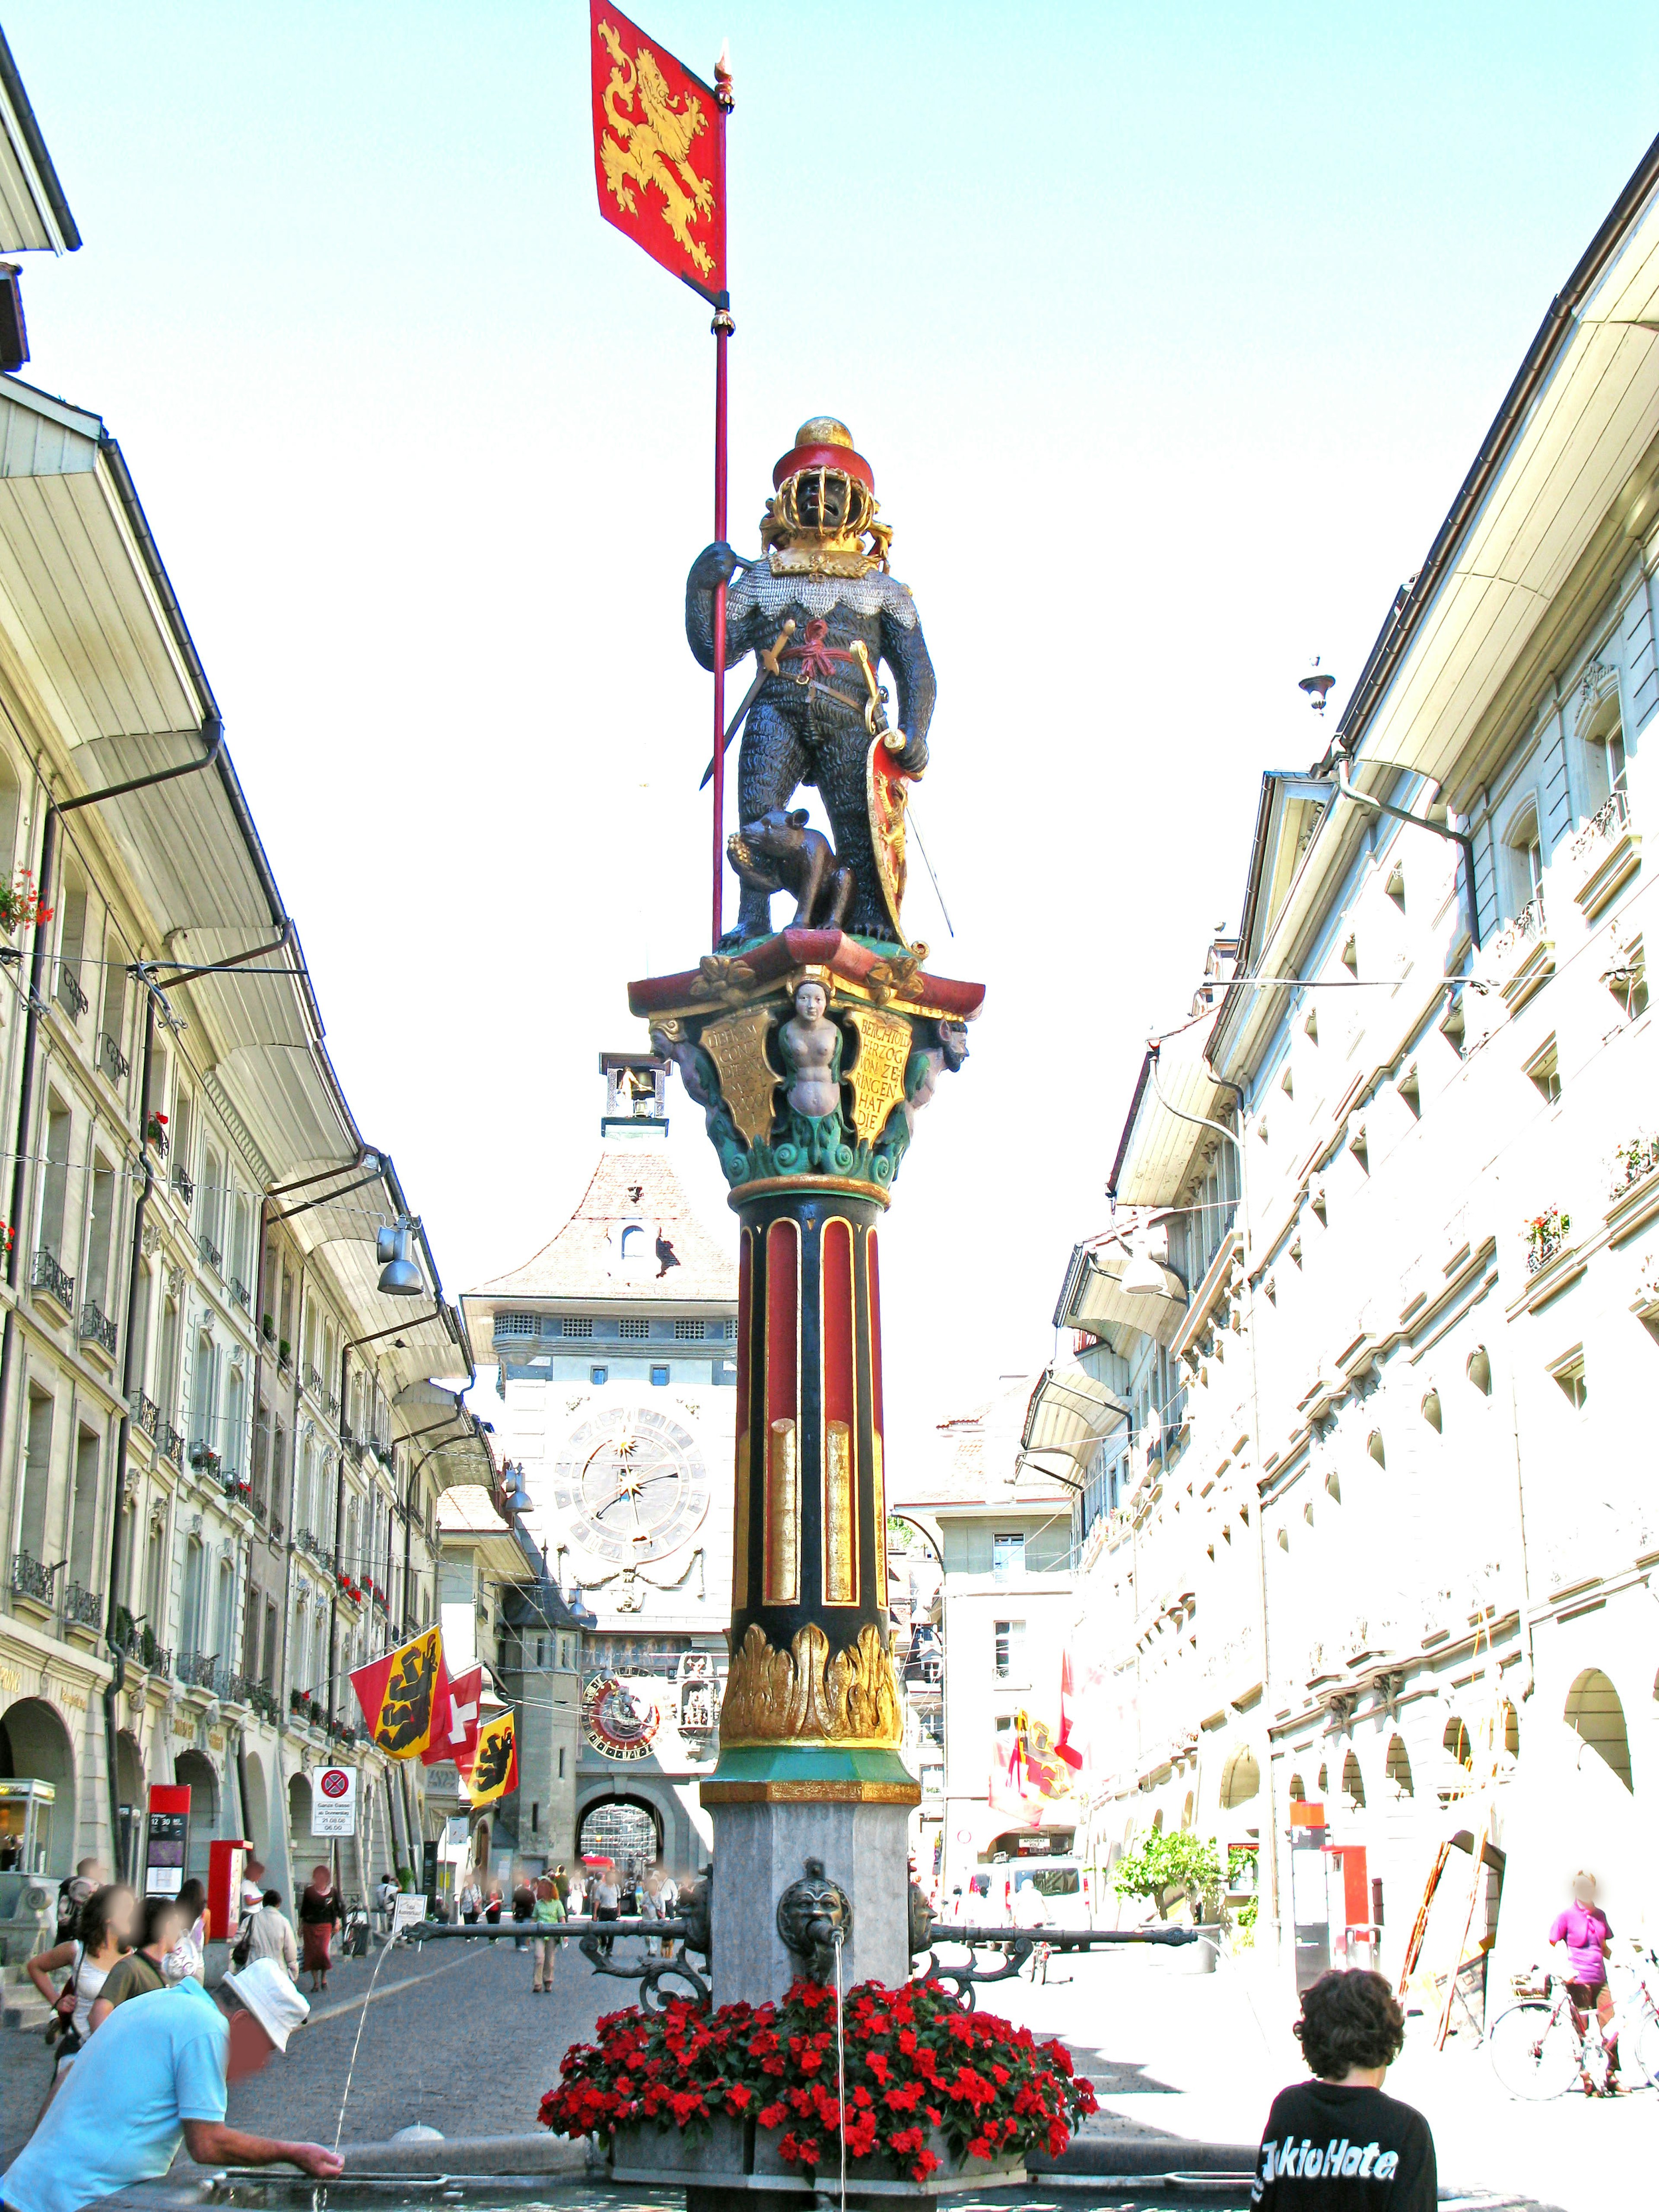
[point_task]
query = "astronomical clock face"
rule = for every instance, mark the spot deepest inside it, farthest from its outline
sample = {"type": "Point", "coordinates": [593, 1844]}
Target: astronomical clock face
{"type": "Point", "coordinates": [619, 1718]}
{"type": "Point", "coordinates": [630, 1486]}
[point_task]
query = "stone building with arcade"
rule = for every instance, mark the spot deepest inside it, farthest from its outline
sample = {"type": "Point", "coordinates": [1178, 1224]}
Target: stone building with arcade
{"type": "Point", "coordinates": [615, 1350]}
{"type": "Point", "coordinates": [1379, 1304]}
{"type": "Point", "coordinates": [220, 1445]}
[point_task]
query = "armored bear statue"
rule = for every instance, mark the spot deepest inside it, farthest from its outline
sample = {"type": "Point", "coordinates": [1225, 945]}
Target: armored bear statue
{"type": "Point", "coordinates": [823, 580]}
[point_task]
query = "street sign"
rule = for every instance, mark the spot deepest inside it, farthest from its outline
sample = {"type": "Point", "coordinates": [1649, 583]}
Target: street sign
{"type": "Point", "coordinates": [164, 1853]}
{"type": "Point", "coordinates": [408, 1911]}
{"type": "Point", "coordinates": [334, 1800]}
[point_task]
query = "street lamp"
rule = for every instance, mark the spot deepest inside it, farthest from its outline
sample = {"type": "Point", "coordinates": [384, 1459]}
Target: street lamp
{"type": "Point", "coordinates": [400, 1278]}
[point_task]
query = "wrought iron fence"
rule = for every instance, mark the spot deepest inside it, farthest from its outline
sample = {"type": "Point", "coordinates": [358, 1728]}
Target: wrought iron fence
{"type": "Point", "coordinates": [1528, 925]}
{"type": "Point", "coordinates": [137, 1641]}
{"type": "Point", "coordinates": [97, 1326]}
{"type": "Point", "coordinates": [83, 1606]}
{"type": "Point", "coordinates": [172, 1444]}
{"type": "Point", "coordinates": [209, 1253]}
{"type": "Point", "coordinates": [1608, 822]}
{"type": "Point", "coordinates": [30, 1579]}
{"type": "Point", "coordinates": [241, 1293]}
{"type": "Point", "coordinates": [70, 997]}
{"type": "Point", "coordinates": [111, 1058]}
{"type": "Point", "coordinates": [145, 1413]}
{"type": "Point", "coordinates": [200, 1670]}
{"type": "Point", "coordinates": [45, 1274]}
{"type": "Point", "coordinates": [184, 1185]}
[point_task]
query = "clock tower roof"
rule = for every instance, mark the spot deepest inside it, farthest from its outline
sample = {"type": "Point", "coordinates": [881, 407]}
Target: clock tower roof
{"type": "Point", "coordinates": [669, 1258]}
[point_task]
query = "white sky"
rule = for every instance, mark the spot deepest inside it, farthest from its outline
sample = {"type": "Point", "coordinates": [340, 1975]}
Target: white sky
{"type": "Point", "coordinates": [1170, 334]}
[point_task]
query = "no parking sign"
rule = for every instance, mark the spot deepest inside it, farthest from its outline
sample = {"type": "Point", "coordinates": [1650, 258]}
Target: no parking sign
{"type": "Point", "coordinates": [334, 1800]}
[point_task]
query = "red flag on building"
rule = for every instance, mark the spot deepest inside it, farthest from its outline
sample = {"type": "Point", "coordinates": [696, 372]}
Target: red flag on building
{"type": "Point", "coordinates": [658, 156]}
{"type": "Point", "coordinates": [401, 1694]}
{"type": "Point", "coordinates": [455, 1722]}
{"type": "Point", "coordinates": [1064, 1748]}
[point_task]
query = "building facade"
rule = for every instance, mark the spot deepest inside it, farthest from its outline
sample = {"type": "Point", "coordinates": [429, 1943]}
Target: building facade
{"type": "Point", "coordinates": [1382, 1291]}
{"type": "Point", "coordinates": [219, 1450]}
{"type": "Point", "coordinates": [615, 1353]}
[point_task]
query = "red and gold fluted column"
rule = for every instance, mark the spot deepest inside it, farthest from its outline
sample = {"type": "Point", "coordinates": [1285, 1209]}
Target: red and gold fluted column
{"type": "Point", "coordinates": [811, 1056]}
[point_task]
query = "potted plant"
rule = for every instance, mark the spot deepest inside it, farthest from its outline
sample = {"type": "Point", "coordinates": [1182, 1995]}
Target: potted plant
{"type": "Point", "coordinates": [155, 1132]}
{"type": "Point", "coordinates": [1546, 1234]}
{"type": "Point", "coordinates": [20, 904]}
{"type": "Point", "coordinates": [930, 2088]}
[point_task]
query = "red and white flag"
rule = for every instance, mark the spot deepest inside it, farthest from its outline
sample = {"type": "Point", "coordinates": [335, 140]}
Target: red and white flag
{"type": "Point", "coordinates": [455, 1721]}
{"type": "Point", "coordinates": [658, 153]}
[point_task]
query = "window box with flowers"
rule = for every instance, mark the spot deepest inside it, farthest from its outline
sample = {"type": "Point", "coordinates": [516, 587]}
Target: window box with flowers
{"type": "Point", "coordinates": [933, 2094]}
{"type": "Point", "coordinates": [155, 1132]}
{"type": "Point", "coordinates": [348, 1589]}
{"type": "Point", "coordinates": [1632, 1163]}
{"type": "Point", "coordinates": [204, 1457]}
{"type": "Point", "coordinates": [1546, 1237]}
{"type": "Point", "coordinates": [20, 904]}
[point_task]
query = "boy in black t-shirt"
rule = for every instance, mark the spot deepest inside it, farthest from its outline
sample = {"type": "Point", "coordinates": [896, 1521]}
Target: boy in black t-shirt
{"type": "Point", "coordinates": [1337, 2144]}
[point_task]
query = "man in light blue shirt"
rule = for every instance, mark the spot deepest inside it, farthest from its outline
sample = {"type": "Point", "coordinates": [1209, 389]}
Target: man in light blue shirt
{"type": "Point", "coordinates": [153, 2076]}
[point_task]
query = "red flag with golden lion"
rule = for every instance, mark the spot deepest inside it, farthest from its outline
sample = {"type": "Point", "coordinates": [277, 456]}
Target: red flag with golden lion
{"type": "Point", "coordinates": [658, 156]}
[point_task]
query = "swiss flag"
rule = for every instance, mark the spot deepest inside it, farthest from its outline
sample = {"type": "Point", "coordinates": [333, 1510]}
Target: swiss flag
{"type": "Point", "coordinates": [1064, 1748]}
{"type": "Point", "coordinates": [659, 154]}
{"type": "Point", "coordinates": [455, 1720]}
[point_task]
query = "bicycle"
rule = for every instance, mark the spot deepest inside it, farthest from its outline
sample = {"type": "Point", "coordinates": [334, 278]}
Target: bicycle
{"type": "Point", "coordinates": [1540, 2051]}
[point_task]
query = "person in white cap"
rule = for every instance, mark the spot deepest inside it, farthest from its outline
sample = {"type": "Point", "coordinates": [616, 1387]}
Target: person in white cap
{"type": "Point", "coordinates": [153, 2076]}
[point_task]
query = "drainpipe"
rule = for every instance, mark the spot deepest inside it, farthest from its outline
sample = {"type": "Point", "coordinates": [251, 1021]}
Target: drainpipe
{"type": "Point", "coordinates": [129, 1379]}
{"type": "Point", "coordinates": [1463, 839]}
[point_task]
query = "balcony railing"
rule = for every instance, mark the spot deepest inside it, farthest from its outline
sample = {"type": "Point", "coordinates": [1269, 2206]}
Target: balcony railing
{"type": "Point", "coordinates": [237, 1690]}
{"type": "Point", "coordinates": [146, 1414]}
{"type": "Point", "coordinates": [172, 1444]}
{"type": "Point", "coordinates": [111, 1058]}
{"type": "Point", "coordinates": [209, 1253]}
{"type": "Point", "coordinates": [313, 1380]}
{"type": "Point", "coordinates": [70, 997]}
{"type": "Point", "coordinates": [139, 1642]}
{"type": "Point", "coordinates": [264, 1702]}
{"type": "Point", "coordinates": [1526, 928]}
{"type": "Point", "coordinates": [83, 1607]}
{"type": "Point", "coordinates": [305, 1707]}
{"type": "Point", "coordinates": [1608, 822]}
{"type": "Point", "coordinates": [238, 1489]}
{"type": "Point", "coordinates": [30, 1579]}
{"type": "Point", "coordinates": [241, 1293]}
{"type": "Point", "coordinates": [200, 1670]}
{"type": "Point", "coordinates": [387, 1456]}
{"type": "Point", "coordinates": [47, 1275]}
{"type": "Point", "coordinates": [96, 1326]}
{"type": "Point", "coordinates": [276, 1529]}
{"type": "Point", "coordinates": [183, 1185]}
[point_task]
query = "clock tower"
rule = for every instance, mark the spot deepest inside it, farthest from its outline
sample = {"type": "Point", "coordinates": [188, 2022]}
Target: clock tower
{"type": "Point", "coordinates": [614, 1347]}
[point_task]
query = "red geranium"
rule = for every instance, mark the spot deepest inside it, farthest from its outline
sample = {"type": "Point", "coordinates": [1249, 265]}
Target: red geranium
{"type": "Point", "coordinates": [684, 2066]}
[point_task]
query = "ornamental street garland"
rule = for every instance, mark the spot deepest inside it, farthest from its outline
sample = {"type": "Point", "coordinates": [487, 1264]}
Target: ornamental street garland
{"type": "Point", "coordinates": [915, 2063]}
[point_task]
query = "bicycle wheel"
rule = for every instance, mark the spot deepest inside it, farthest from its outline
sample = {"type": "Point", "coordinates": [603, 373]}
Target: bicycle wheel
{"type": "Point", "coordinates": [1534, 2052]}
{"type": "Point", "coordinates": [1642, 2057]}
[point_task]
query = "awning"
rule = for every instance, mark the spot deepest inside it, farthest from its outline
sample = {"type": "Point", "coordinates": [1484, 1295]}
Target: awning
{"type": "Point", "coordinates": [1154, 1152]}
{"type": "Point", "coordinates": [1094, 1299]}
{"type": "Point", "coordinates": [35, 217]}
{"type": "Point", "coordinates": [1069, 1414]}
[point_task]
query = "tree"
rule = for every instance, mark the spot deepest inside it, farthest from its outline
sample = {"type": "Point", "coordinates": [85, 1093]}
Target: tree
{"type": "Point", "coordinates": [1168, 1866]}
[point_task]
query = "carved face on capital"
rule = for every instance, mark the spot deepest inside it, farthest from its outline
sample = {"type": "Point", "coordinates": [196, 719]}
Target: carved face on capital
{"type": "Point", "coordinates": [810, 999]}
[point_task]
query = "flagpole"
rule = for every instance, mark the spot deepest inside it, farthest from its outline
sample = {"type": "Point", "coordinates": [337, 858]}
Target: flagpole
{"type": "Point", "coordinates": [722, 327]}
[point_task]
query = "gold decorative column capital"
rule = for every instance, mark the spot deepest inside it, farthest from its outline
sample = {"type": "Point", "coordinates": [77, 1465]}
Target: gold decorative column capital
{"type": "Point", "coordinates": [803, 1696]}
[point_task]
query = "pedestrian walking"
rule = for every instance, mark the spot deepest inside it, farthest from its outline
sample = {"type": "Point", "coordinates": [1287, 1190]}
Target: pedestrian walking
{"type": "Point", "coordinates": [154, 2077]}
{"type": "Point", "coordinates": [142, 1970]}
{"type": "Point", "coordinates": [73, 1892]}
{"type": "Point", "coordinates": [650, 1910]}
{"type": "Point", "coordinates": [607, 1903]}
{"type": "Point", "coordinates": [575, 1903]}
{"type": "Point", "coordinates": [187, 1959]}
{"type": "Point", "coordinates": [269, 1933]}
{"type": "Point", "coordinates": [493, 1906]}
{"type": "Point", "coordinates": [471, 1903]}
{"type": "Point", "coordinates": [668, 1906]}
{"type": "Point", "coordinates": [546, 1912]}
{"type": "Point", "coordinates": [103, 1935]}
{"type": "Point", "coordinates": [1579, 1935]}
{"type": "Point", "coordinates": [322, 1910]}
{"type": "Point", "coordinates": [1346, 2145]}
{"type": "Point", "coordinates": [253, 1886]}
{"type": "Point", "coordinates": [524, 1908]}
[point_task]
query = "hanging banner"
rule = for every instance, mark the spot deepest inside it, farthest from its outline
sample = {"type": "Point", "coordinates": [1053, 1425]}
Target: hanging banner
{"type": "Point", "coordinates": [402, 1694]}
{"type": "Point", "coordinates": [334, 1800]}
{"type": "Point", "coordinates": [455, 1721]}
{"type": "Point", "coordinates": [496, 1767]}
{"type": "Point", "coordinates": [658, 153]}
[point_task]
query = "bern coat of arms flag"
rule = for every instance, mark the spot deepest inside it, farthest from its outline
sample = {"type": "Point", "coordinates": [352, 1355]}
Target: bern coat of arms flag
{"type": "Point", "coordinates": [495, 1765]}
{"type": "Point", "coordinates": [658, 156]}
{"type": "Point", "coordinates": [402, 1695]}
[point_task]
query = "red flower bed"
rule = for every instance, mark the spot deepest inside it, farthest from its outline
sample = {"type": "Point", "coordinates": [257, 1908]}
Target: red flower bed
{"type": "Point", "coordinates": [915, 2063]}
